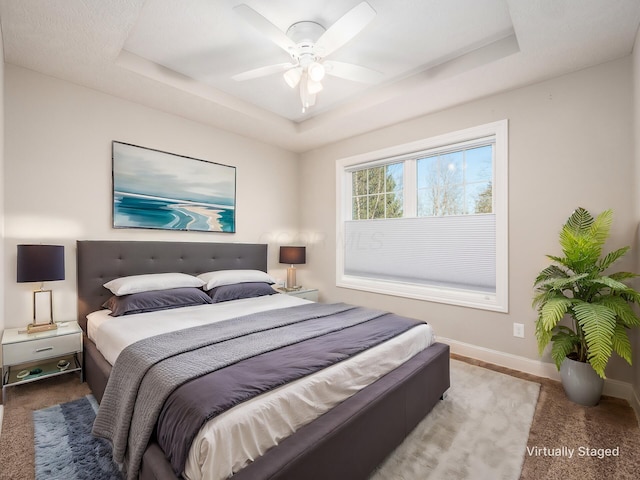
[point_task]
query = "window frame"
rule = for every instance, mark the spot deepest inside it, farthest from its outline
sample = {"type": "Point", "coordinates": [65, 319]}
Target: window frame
{"type": "Point", "coordinates": [449, 141]}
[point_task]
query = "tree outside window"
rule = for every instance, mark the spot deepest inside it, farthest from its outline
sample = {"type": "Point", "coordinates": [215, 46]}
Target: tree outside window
{"type": "Point", "coordinates": [456, 183]}
{"type": "Point", "coordinates": [377, 192]}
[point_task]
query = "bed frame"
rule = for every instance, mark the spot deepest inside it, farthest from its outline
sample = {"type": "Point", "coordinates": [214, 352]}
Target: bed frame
{"type": "Point", "coordinates": [346, 443]}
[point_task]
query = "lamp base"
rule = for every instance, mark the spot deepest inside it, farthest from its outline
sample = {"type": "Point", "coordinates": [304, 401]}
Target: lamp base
{"type": "Point", "coordinates": [41, 327]}
{"type": "Point", "coordinates": [291, 277]}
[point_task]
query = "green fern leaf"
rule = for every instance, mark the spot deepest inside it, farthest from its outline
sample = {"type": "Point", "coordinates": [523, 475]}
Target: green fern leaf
{"type": "Point", "coordinates": [560, 260]}
{"type": "Point", "coordinates": [579, 221]}
{"type": "Point", "coordinates": [543, 336]}
{"type": "Point", "coordinates": [619, 276]}
{"type": "Point", "coordinates": [549, 273]}
{"type": "Point", "coordinates": [543, 296]}
{"type": "Point", "coordinates": [612, 257]}
{"type": "Point", "coordinates": [601, 227]}
{"type": "Point", "coordinates": [607, 282]}
{"type": "Point", "coordinates": [621, 343]}
{"type": "Point", "coordinates": [598, 324]}
{"type": "Point", "coordinates": [623, 310]}
{"type": "Point", "coordinates": [631, 296]}
{"type": "Point", "coordinates": [562, 283]}
{"type": "Point", "coordinates": [563, 344]}
{"type": "Point", "coordinates": [553, 311]}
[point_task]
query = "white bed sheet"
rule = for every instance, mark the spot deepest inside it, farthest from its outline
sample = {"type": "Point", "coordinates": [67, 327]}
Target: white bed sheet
{"type": "Point", "coordinates": [230, 441]}
{"type": "Point", "coordinates": [113, 334]}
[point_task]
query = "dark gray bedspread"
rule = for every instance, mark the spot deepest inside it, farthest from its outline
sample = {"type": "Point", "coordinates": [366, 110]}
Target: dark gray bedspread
{"type": "Point", "coordinates": [191, 405]}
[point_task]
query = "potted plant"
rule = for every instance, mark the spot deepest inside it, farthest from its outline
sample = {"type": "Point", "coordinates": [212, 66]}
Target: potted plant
{"type": "Point", "coordinates": [599, 306]}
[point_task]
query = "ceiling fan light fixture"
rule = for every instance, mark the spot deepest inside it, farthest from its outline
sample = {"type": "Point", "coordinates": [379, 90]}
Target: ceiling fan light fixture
{"type": "Point", "coordinates": [308, 43]}
{"type": "Point", "coordinates": [292, 77]}
{"type": "Point", "coordinates": [313, 87]}
{"type": "Point", "coordinates": [316, 71]}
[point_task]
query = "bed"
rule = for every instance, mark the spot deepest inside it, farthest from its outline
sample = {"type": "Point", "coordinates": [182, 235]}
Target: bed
{"type": "Point", "coordinates": [346, 442]}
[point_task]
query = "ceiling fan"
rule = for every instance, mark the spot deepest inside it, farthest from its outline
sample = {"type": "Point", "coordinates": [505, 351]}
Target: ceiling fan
{"type": "Point", "coordinates": [308, 43]}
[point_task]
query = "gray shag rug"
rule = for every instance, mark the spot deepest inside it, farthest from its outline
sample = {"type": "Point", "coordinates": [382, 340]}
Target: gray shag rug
{"type": "Point", "coordinates": [479, 430]}
{"type": "Point", "coordinates": [64, 446]}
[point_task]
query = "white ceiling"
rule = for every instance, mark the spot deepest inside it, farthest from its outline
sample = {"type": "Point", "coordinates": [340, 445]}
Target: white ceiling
{"type": "Point", "coordinates": [179, 56]}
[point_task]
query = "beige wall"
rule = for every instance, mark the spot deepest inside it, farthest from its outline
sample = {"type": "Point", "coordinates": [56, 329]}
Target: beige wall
{"type": "Point", "coordinates": [636, 199]}
{"type": "Point", "coordinates": [2, 176]}
{"type": "Point", "coordinates": [58, 176]}
{"type": "Point", "coordinates": [570, 145]}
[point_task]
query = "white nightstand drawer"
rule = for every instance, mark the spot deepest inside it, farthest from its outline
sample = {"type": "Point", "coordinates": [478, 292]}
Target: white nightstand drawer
{"type": "Point", "coordinates": [22, 352]}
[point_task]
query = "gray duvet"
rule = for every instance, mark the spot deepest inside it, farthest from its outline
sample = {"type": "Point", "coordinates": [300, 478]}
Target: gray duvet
{"type": "Point", "coordinates": [148, 371]}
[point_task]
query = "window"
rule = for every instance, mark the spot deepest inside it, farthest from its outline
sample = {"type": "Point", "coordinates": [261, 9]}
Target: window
{"type": "Point", "coordinates": [377, 192]}
{"type": "Point", "coordinates": [456, 183]}
{"type": "Point", "coordinates": [428, 219]}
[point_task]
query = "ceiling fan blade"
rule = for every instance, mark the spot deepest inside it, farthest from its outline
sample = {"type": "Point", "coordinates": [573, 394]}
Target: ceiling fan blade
{"type": "Point", "coordinates": [349, 71]}
{"type": "Point", "coordinates": [262, 71]}
{"type": "Point", "coordinates": [265, 27]}
{"type": "Point", "coordinates": [347, 27]}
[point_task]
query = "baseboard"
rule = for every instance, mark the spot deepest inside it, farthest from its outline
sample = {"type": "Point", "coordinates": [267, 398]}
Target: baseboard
{"type": "Point", "coordinates": [636, 403]}
{"type": "Point", "coordinates": [1, 413]}
{"type": "Point", "coordinates": [502, 359]}
{"type": "Point", "coordinates": [613, 388]}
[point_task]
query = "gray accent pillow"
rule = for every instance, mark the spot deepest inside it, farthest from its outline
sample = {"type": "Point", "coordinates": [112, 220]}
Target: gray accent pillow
{"type": "Point", "coordinates": [224, 293]}
{"type": "Point", "coordinates": [156, 300]}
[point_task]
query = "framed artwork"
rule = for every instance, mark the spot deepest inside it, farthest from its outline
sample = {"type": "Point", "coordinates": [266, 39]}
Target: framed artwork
{"type": "Point", "coordinates": [160, 190]}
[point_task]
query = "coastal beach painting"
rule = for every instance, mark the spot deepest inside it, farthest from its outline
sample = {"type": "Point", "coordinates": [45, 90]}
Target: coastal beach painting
{"type": "Point", "coordinates": [160, 190]}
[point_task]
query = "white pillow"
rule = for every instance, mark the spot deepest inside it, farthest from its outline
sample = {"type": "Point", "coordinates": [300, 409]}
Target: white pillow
{"type": "Point", "coordinates": [151, 281]}
{"type": "Point", "coordinates": [229, 277]}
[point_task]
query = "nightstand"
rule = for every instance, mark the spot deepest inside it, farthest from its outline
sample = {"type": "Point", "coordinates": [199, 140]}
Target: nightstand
{"type": "Point", "coordinates": [31, 357]}
{"type": "Point", "coordinates": [306, 293]}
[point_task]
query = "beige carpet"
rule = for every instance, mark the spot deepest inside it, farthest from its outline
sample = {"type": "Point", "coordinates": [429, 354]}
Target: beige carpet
{"type": "Point", "coordinates": [16, 441]}
{"type": "Point", "coordinates": [556, 422]}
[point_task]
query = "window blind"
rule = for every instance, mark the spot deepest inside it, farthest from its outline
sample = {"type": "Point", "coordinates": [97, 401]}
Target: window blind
{"type": "Point", "coordinates": [450, 251]}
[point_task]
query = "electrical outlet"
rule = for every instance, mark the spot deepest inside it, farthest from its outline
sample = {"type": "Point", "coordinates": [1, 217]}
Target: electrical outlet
{"type": "Point", "coordinates": [518, 330]}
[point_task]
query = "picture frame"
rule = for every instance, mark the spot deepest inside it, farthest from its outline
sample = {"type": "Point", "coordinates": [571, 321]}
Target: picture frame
{"type": "Point", "coordinates": [153, 189]}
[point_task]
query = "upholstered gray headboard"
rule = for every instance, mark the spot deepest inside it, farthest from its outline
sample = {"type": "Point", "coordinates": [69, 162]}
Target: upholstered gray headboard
{"type": "Point", "coordinates": [101, 261]}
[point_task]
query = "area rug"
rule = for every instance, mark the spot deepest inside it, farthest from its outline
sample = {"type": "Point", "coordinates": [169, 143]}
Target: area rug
{"type": "Point", "coordinates": [480, 430]}
{"type": "Point", "coordinates": [64, 446]}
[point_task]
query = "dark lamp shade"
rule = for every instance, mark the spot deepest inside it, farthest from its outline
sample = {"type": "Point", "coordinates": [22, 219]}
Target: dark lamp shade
{"type": "Point", "coordinates": [40, 263]}
{"type": "Point", "coordinates": [293, 255]}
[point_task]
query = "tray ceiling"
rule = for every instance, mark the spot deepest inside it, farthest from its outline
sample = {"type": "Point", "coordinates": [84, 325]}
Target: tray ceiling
{"type": "Point", "coordinates": [180, 57]}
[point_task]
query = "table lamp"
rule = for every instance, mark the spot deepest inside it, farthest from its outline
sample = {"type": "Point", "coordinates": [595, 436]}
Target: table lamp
{"type": "Point", "coordinates": [41, 263]}
{"type": "Point", "coordinates": [292, 256]}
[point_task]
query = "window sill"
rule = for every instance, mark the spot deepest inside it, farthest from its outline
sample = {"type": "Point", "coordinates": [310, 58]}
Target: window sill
{"type": "Point", "coordinates": [450, 296]}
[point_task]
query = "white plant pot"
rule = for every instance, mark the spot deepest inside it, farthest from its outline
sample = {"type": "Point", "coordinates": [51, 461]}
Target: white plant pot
{"type": "Point", "coordinates": [581, 383]}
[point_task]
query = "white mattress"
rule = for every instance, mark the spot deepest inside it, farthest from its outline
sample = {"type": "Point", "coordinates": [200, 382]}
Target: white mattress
{"type": "Point", "coordinates": [232, 440]}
